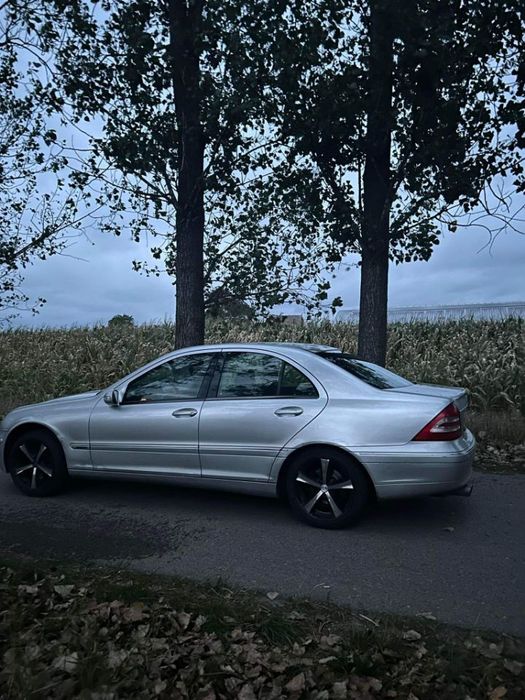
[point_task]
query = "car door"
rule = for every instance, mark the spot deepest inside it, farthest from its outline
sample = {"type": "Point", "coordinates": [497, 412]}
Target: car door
{"type": "Point", "coordinates": [155, 428]}
{"type": "Point", "coordinates": [256, 403]}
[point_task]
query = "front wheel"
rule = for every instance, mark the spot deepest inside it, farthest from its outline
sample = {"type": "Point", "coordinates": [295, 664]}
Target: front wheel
{"type": "Point", "coordinates": [37, 464]}
{"type": "Point", "coordinates": [327, 488]}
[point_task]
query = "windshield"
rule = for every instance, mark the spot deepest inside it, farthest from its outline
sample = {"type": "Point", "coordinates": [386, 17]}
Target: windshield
{"type": "Point", "coordinates": [376, 376]}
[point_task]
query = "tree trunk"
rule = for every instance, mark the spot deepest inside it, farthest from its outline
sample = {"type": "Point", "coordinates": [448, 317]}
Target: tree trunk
{"type": "Point", "coordinates": [376, 188]}
{"type": "Point", "coordinates": [185, 24]}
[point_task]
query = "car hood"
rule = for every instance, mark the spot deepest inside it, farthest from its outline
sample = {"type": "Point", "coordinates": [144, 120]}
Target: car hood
{"type": "Point", "coordinates": [73, 399]}
{"type": "Point", "coordinates": [452, 393]}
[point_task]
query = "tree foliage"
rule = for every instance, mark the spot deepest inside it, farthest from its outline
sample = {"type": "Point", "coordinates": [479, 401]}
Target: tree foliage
{"type": "Point", "coordinates": [398, 120]}
{"type": "Point", "coordinates": [118, 77]}
{"type": "Point", "coordinates": [38, 210]}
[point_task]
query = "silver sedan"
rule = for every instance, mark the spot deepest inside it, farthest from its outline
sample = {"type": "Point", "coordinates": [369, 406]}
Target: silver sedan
{"type": "Point", "coordinates": [311, 424]}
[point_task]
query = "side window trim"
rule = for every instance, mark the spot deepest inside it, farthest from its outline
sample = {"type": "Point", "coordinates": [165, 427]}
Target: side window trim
{"type": "Point", "coordinates": [202, 389]}
{"type": "Point", "coordinates": [209, 375]}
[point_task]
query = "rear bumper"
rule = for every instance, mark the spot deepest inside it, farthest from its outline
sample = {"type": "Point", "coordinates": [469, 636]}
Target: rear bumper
{"type": "Point", "coordinates": [465, 490]}
{"type": "Point", "coordinates": [420, 468]}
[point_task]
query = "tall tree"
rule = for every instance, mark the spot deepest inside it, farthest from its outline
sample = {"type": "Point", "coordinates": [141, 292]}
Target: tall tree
{"type": "Point", "coordinates": [185, 49]}
{"type": "Point", "coordinates": [400, 118]}
{"type": "Point", "coordinates": [181, 147]}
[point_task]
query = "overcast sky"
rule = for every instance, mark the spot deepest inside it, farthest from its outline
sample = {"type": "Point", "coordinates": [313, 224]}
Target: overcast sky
{"type": "Point", "coordinates": [103, 284]}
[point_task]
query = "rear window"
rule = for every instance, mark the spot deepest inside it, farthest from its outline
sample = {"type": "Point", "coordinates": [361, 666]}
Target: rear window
{"type": "Point", "coordinates": [376, 376]}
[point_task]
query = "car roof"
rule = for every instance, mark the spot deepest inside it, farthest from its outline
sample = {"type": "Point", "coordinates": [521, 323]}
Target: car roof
{"type": "Point", "coordinates": [311, 347]}
{"type": "Point", "coordinates": [316, 348]}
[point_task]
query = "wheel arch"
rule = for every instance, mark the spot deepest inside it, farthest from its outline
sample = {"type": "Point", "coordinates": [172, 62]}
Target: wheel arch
{"type": "Point", "coordinates": [281, 477]}
{"type": "Point", "coordinates": [24, 428]}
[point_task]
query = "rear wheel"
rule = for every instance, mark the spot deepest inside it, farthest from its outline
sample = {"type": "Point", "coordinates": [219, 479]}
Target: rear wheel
{"type": "Point", "coordinates": [36, 464]}
{"type": "Point", "coordinates": [327, 488]}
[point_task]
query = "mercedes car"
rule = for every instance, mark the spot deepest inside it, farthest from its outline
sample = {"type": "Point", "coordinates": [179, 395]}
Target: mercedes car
{"type": "Point", "coordinates": [326, 432]}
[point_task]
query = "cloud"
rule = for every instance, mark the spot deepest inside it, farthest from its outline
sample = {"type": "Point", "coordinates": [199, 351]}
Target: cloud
{"type": "Point", "coordinates": [97, 286]}
{"type": "Point", "coordinates": [80, 292]}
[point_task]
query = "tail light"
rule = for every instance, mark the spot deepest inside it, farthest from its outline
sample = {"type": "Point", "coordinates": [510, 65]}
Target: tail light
{"type": "Point", "coordinates": [445, 426]}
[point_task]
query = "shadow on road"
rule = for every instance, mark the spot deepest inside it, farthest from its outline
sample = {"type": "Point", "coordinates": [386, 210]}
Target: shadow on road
{"type": "Point", "coordinates": [385, 516]}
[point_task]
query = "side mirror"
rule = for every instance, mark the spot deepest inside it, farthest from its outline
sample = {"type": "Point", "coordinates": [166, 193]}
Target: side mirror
{"type": "Point", "coordinates": [112, 399]}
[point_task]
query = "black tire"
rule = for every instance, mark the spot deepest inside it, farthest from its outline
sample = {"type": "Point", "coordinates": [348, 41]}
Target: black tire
{"type": "Point", "coordinates": [37, 465]}
{"type": "Point", "coordinates": [326, 488]}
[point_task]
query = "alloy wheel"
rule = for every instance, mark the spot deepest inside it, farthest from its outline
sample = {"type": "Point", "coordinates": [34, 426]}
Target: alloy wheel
{"type": "Point", "coordinates": [324, 488]}
{"type": "Point", "coordinates": [32, 464]}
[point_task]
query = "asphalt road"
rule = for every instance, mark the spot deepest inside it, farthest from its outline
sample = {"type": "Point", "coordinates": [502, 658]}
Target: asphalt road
{"type": "Point", "coordinates": [462, 559]}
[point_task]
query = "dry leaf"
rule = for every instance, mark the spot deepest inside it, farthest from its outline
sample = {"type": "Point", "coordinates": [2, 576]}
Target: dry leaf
{"type": "Point", "coordinates": [426, 615]}
{"type": "Point", "coordinates": [183, 619]}
{"type": "Point", "coordinates": [272, 595]}
{"type": "Point", "coordinates": [339, 690]}
{"type": "Point", "coordinates": [515, 667]}
{"type": "Point", "coordinates": [330, 640]}
{"type": "Point", "coordinates": [63, 591]}
{"type": "Point", "coordinates": [497, 693]}
{"type": "Point", "coordinates": [246, 693]}
{"type": "Point", "coordinates": [159, 687]}
{"type": "Point", "coordinates": [297, 684]}
{"type": "Point", "coordinates": [66, 662]}
{"type": "Point", "coordinates": [411, 636]}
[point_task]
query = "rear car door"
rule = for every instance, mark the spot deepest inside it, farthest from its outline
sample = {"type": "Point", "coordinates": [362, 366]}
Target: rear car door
{"type": "Point", "coordinates": [256, 403]}
{"type": "Point", "coordinates": [155, 429]}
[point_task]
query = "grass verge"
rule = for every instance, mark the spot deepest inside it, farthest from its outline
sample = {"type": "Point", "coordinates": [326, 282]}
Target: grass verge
{"type": "Point", "coordinates": [500, 441]}
{"type": "Point", "coordinates": [90, 633]}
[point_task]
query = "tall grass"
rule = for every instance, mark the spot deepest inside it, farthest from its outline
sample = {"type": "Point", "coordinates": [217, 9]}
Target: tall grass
{"type": "Point", "coordinates": [487, 357]}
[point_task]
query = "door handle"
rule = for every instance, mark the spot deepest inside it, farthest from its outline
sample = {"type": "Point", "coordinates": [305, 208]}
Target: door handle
{"type": "Point", "coordinates": [181, 412]}
{"type": "Point", "coordinates": [289, 411]}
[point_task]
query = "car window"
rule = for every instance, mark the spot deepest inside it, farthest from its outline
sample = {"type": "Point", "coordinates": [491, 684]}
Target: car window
{"type": "Point", "coordinates": [294, 383]}
{"type": "Point", "coordinates": [249, 374]}
{"type": "Point", "coordinates": [180, 378]}
{"type": "Point", "coordinates": [376, 376]}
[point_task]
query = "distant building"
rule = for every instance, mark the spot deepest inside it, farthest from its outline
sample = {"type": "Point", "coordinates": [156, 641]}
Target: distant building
{"type": "Point", "coordinates": [436, 314]}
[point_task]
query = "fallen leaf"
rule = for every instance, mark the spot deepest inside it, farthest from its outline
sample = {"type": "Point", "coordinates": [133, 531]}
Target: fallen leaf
{"type": "Point", "coordinates": [63, 591]}
{"type": "Point", "coordinates": [66, 662]}
{"type": "Point", "coordinates": [339, 690]}
{"type": "Point", "coordinates": [246, 693]}
{"type": "Point", "coordinates": [134, 613]}
{"type": "Point", "coordinates": [327, 659]}
{"type": "Point", "coordinates": [330, 640]}
{"type": "Point", "coordinates": [297, 684]}
{"type": "Point", "coordinates": [183, 619]}
{"type": "Point", "coordinates": [449, 529]}
{"type": "Point", "coordinates": [497, 693]}
{"type": "Point", "coordinates": [272, 595]}
{"type": "Point", "coordinates": [294, 615]}
{"type": "Point", "coordinates": [411, 636]}
{"type": "Point", "coordinates": [515, 667]}
{"type": "Point", "coordinates": [375, 684]}
{"type": "Point", "coordinates": [426, 615]}
{"type": "Point", "coordinates": [159, 687]}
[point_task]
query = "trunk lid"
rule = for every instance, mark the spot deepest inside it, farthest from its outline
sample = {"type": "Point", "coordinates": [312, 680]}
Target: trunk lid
{"type": "Point", "coordinates": [454, 394]}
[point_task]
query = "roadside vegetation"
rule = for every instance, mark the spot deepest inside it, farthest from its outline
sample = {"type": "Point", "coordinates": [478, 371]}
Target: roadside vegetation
{"type": "Point", "coordinates": [486, 357]}
{"type": "Point", "coordinates": [91, 633]}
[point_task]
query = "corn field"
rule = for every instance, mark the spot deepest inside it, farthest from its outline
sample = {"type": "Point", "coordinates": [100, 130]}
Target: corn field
{"type": "Point", "coordinates": [486, 357]}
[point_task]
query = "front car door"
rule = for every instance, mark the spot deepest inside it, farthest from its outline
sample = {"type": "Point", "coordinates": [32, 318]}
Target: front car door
{"type": "Point", "coordinates": [155, 429]}
{"type": "Point", "coordinates": [256, 403]}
